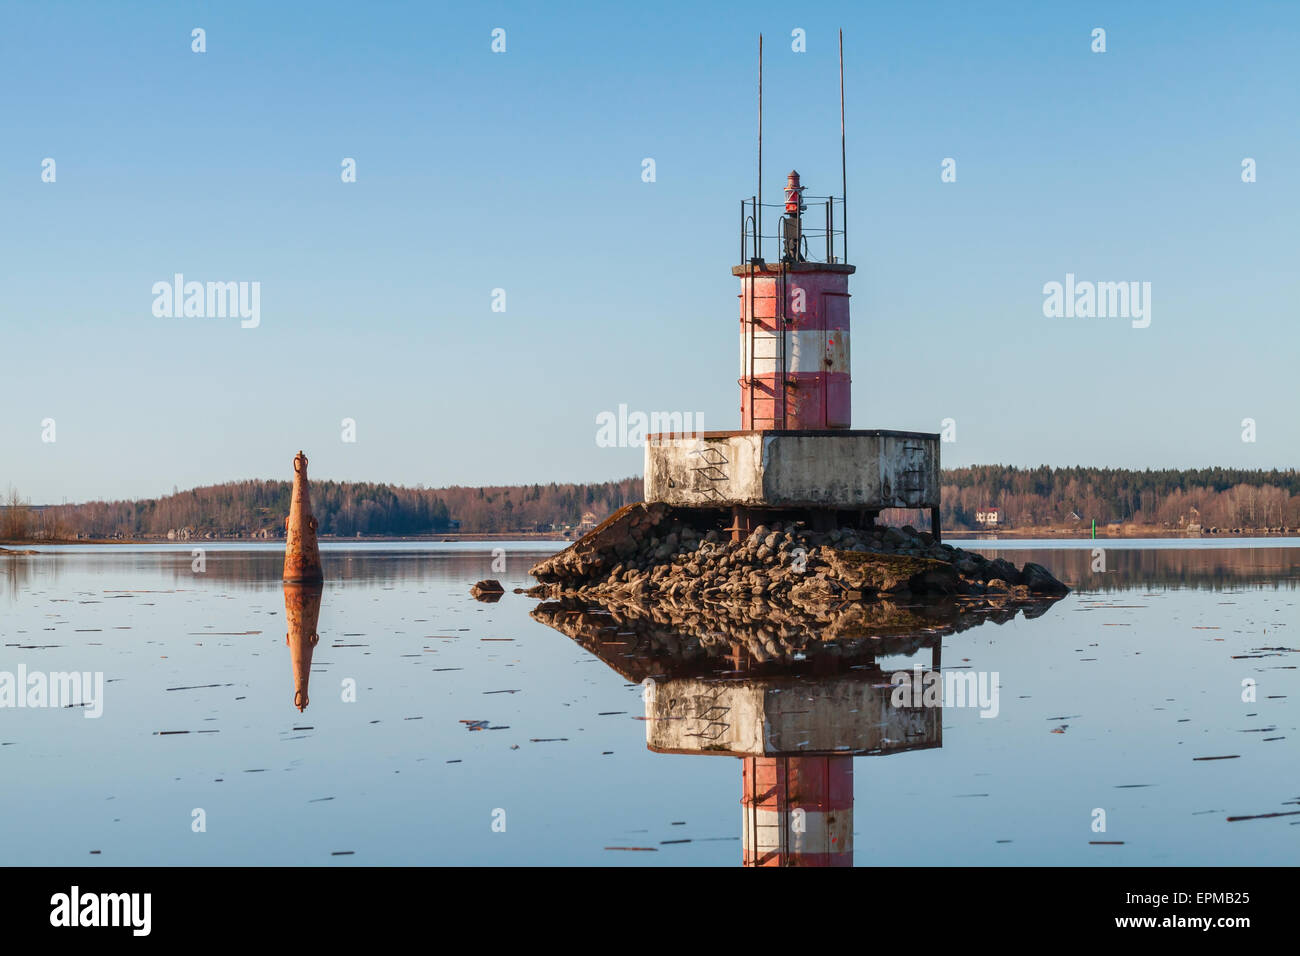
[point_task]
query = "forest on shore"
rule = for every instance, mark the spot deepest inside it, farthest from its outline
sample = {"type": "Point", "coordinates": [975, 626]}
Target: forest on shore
{"type": "Point", "coordinates": [1224, 498]}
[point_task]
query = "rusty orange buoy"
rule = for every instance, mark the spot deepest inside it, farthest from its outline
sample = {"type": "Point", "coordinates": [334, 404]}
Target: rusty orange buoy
{"type": "Point", "coordinates": [301, 613]}
{"type": "Point", "coordinates": [301, 550]}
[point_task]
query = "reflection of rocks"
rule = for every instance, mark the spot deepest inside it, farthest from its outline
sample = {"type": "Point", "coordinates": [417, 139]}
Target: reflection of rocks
{"type": "Point", "coordinates": [489, 591]}
{"type": "Point", "coordinates": [655, 551]}
{"type": "Point", "coordinates": [642, 640]}
{"type": "Point", "coordinates": [301, 614]}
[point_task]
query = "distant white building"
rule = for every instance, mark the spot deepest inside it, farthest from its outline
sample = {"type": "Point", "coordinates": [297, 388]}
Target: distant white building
{"type": "Point", "coordinates": [988, 517]}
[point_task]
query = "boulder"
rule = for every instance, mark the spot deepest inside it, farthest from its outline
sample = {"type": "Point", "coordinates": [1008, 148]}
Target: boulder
{"type": "Point", "coordinates": [1041, 581]}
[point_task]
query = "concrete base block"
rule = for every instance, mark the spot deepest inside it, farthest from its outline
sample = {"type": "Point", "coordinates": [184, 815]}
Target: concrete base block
{"type": "Point", "coordinates": [835, 469]}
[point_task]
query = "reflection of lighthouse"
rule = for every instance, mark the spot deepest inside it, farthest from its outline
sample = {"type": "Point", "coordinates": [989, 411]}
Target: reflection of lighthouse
{"type": "Point", "coordinates": [795, 701]}
{"type": "Point", "coordinates": [798, 811]}
{"type": "Point", "coordinates": [797, 736]}
{"type": "Point", "coordinates": [301, 613]}
{"type": "Point", "coordinates": [795, 696]}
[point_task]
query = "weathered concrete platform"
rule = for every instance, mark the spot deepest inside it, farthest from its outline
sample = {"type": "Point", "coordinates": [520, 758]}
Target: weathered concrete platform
{"type": "Point", "coordinates": [840, 469]}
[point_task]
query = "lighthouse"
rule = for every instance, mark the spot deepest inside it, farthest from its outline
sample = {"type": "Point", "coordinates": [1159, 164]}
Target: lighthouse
{"type": "Point", "coordinates": [795, 457]}
{"type": "Point", "coordinates": [794, 317]}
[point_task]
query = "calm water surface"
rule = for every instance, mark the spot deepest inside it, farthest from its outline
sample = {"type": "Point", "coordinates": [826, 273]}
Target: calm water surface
{"type": "Point", "coordinates": [1106, 700]}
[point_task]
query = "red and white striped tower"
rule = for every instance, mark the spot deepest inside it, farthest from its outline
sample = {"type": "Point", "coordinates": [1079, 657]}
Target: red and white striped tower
{"type": "Point", "coordinates": [794, 332]}
{"type": "Point", "coordinates": [798, 811]}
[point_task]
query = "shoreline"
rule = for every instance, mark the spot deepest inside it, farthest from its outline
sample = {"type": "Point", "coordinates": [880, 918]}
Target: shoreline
{"type": "Point", "coordinates": [13, 545]}
{"type": "Point", "coordinates": [1124, 532]}
{"type": "Point", "coordinates": [1060, 534]}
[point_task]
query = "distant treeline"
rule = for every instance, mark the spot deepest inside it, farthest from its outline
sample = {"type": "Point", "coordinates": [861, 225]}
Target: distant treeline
{"type": "Point", "coordinates": [1170, 498]}
{"type": "Point", "coordinates": [258, 509]}
{"type": "Point", "coordinates": [1226, 498]}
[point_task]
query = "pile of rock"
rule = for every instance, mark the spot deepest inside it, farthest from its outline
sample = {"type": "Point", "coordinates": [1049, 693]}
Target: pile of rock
{"type": "Point", "coordinates": [654, 552]}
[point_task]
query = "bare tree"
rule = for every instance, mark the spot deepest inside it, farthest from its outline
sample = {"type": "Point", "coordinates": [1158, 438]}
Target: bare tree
{"type": "Point", "coordinates": [17, 517]}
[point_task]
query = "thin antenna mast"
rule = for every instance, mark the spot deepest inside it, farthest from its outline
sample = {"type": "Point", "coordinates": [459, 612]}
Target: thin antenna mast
{"type": "Point", "coordinates": [844, 175]}
{"type": "Point", "coordinates": [758, 212]}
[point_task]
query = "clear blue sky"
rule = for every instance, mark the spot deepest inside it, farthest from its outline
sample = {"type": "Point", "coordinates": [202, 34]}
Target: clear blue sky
{"type": "Point", "coordinates": [522, 171]}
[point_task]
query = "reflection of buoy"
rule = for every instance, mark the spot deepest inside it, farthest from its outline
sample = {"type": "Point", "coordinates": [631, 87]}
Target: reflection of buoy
{"type": "Point", "coordinates": [301, 551]}
{"type": "Point", "coordinates": [301, 614]}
